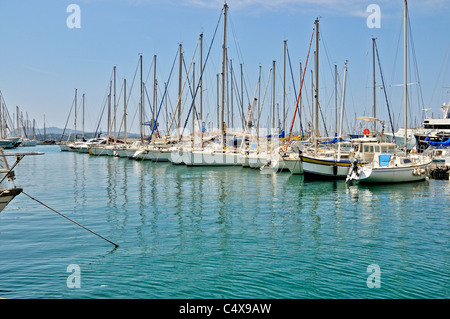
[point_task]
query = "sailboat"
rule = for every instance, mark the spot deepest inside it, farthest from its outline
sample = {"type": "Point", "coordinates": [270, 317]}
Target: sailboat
{"type": "Point", "coordinates": [388, 166]}
{"type": "Point", "coordinates": [323, 161]}
{"type": "Point", "coordinates": [217, 154]}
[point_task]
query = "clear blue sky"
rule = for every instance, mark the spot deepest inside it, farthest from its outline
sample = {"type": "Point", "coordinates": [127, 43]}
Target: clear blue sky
{"type": "Point", "coordinates": [42, 61]}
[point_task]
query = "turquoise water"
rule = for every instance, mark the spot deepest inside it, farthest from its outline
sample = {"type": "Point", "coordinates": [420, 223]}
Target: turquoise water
{"type": "Point", "coordinates": [217, 233]}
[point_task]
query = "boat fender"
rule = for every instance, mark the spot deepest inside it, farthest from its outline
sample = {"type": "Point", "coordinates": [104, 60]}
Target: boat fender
{"type": "Point", "coordinates": [335, 169]}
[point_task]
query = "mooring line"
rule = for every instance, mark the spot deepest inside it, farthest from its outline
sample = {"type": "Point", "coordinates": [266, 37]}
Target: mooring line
{"type": "Point", "coordinates": [69, 219]}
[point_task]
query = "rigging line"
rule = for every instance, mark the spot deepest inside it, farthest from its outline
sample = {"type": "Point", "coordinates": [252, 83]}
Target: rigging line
{"type": "Point", "coordinates": [148, 99]}
{"type": "Point", "coordinates": [162, 99]}
{"type": "Point", "coordinates": [235, 85]}
{"type": "Point", "coordinates": [181, 92]}
{"type": "Point", "coordinates": [295, 90]}
{"type": "Point", "coordinates": [241, 57]}
{"type": "Point", "coordinates": [300, 92]}
{"type": "Point", "coordinates": [189, 85]}
{"type": "Point", "coordinates": [190, 90]}
{"type": "Point", "coordinates": [130, 91]}
{"type": "Point", "coordinates": [105, 99]}
{"type": "Point", "coordinates": [264, 96]}
{"type": "Point", "coordinates": [396, 53]}
{"type": "Point", "coordinates": [203, 68]}
{"type": "Point", "coordinates": [442, 69]}
{"type": "Point", "coordinates": [323, 120]}
{"type": "Point", "coordinates": [69, 219]}
{"type": "Point", "coordinates": [416, 70]}
{"type": "Point", "coordinates": [65, 126]}
{"type": "Point", "coordinates": [385, 94]}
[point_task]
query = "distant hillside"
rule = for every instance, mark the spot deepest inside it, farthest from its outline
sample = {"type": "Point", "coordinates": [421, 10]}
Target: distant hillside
{"type": "Point", "coordinates": [55, 133]}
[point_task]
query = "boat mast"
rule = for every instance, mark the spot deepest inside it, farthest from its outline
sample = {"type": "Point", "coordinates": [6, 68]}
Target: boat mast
{"type": "Point", "coordinates": [154, 92]}
{"type": "Point", "coordinates": [193, 105]}
{"type": "Point", "coordinates": [335, 99]}
{"type": "Point", "coordinates": [242, 95]}
{"type": "Point", "coordinates": [179, 91]}
{"type": "Point", "coordinates": [115, 102]}
{"type": "Point", "coordinates": [406, 78]}
{"type": "Point", "coordinates": [374, 87]}
{"type": "Point", "coordinates": [342, 111]}
{"type": "Point", "coordinates": [125, 110]}
{"type": "Point", "coordinates": [201, 88]}
{"type": "Point", "coordinates": [75, 137]}
{"type": "Point", "coordinates": [231, 98]}
{"type": "Point", "coordinates": [284, 87]}
{"type": "Point", "coordinates": [259, 110]}
{"type": "Point", "coordinates": [316, 93]}
{"type": "Point", "coordinates": [225, 7]}
{"type": "Point", "coordinates": [83, 116]}
{"type": "Point", "coordinates": [141, 106]}
{"type": "Point", "coordinates": [273, 100]}
{"type": "Point", "coordinates": [109, 112]}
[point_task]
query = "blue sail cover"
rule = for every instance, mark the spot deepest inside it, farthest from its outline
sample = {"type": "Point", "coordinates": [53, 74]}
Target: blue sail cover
{"type": "Point", "coordinates": [334, 140]}
{"type": "Point", "coordinates": [443, 143]}
{"type": "Point", "coordinates": [281, 135]}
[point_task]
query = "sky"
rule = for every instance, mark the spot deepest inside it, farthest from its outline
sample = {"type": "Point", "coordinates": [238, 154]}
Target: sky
{"type": "Point", "coordinates": [44, 57]}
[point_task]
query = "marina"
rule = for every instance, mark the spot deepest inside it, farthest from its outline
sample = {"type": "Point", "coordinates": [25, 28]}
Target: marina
{"type": "Point", "coordinates": [221, 232]}
{"type": "Point", "coordinates": [194, 182]}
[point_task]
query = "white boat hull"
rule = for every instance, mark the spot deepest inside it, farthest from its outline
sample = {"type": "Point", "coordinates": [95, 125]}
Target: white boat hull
{"type": "Point", "coordinates": [98, 151]}
{"type": "Point", "coordinates": [322, 168]}
{"type": "Point", "coordinates": [125, 152]}
{"type": "Point", "coordinates": [64, 147]}
{"type": "Point", "coordinates": [83, 149]}
{"type": "Point", "coordinates": [211, 159]}
{"type": "Point", "coordinates": [154, 155]}
{"type": "Point", "coordinates": [177, 157]}
{"type": "Point", "coordinates": [392, 174]}
{"type": "Point", "coordinates": [293, 165]}
{"type": "Point", "coordinates": [244, 160]}
{"type": "Point", "coordinates": [257, 161]}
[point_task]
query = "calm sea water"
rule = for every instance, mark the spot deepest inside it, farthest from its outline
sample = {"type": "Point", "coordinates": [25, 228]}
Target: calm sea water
{"type": "Point", "coordinates": [217, 233]}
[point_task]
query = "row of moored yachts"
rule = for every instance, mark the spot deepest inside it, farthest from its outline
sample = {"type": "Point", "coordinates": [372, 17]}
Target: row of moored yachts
{"type": "Point", "coordinates": [364, 159]}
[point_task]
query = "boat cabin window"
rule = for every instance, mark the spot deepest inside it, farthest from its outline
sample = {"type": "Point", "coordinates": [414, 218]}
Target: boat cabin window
{"type": "Point", "coordinates": [368, 148]}
{"type": "Point", "coordinates": [387, 149]}
{"type": "Point", "coordinates": [406, 161]}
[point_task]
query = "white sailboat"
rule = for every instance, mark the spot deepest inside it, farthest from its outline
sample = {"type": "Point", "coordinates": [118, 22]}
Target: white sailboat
{"type": "Point", "coordinates": [387, 166]}
{"type": "Point", "coordinates": [219, 154]}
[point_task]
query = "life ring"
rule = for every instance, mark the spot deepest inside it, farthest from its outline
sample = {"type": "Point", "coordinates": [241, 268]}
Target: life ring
{"type": "Point", "coordinates": [366, 132]}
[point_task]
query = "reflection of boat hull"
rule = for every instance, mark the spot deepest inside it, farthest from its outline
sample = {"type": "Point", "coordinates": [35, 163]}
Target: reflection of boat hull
{"type": "Point", "coordinates": [7, 195]}
{"type": "Point", "coordinates": [324, 168]}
